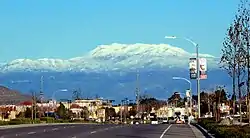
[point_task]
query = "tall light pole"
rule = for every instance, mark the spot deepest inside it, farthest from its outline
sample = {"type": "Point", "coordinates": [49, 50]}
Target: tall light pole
{"type": "Point", "coordinates": [190, 88]}
{"type": "Point", "coordinates": [53, 98]}
{"type": "Point", "coordinates": [197, 67]}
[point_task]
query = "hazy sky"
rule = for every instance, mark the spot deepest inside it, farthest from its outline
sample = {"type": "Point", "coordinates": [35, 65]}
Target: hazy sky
{"type": "Point", "coordinates": [68, 28]}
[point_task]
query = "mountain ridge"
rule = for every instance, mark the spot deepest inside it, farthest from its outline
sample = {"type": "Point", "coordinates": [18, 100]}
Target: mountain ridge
{"type": "Point", "coordinates": [113, 57]}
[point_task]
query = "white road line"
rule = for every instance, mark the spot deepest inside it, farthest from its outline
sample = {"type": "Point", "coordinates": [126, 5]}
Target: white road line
{"type": "Point", "coordinates": [162, 135]}
{"type": "Point", "coordinates": [55, 129]}
{"type": "Point", "coordinates": [93, 132]}
{"type": "Point", "coordinates": [31, 133]}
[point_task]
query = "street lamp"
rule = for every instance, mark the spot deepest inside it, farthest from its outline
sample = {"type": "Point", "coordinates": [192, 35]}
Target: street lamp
{"type": "Point", "coordinates": [190, 88]}
{"type": "Point", "coordinates": [197, 67]}
{"type": "Point", "coordinates": [54, 93]}
{"type": "Point", "coordinates": [53, 98]}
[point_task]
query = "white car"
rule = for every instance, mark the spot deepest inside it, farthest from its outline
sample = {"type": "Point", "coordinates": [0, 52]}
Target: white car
{"type": "Point", "coordinates": [164, 121]}
{"type": "Point", "coordinates": [154, 121]}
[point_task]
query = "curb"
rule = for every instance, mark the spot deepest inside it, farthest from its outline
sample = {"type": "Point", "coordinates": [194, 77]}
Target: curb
{"type": "Point", "coordinates": [204, 131]}
{"type": "Point", "coordinates": [37, 125]}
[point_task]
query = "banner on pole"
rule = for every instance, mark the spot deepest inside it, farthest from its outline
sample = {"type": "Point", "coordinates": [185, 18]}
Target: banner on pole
{"type": "Point", "coordinates": [193, 68]}
{"type": "Point", "coordinates": [188, 93]}
{"type": "Point", "coordinates": [203, 68]}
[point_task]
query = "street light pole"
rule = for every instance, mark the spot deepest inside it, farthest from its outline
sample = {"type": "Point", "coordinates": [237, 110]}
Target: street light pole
{"type": "Point", "coordinates": [190, 88]}
{"type": "Point", "coordinates": [198, 80]}
{"type": "Point", "coordinates": [197, 68]}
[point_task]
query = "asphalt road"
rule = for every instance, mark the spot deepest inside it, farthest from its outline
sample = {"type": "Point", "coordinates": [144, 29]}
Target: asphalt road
{"type": "Point", "coordinates": [100, 131]}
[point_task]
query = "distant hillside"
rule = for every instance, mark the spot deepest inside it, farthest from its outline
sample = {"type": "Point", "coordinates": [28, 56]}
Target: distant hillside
{"type": "Point", "coordinates": [8, 96]}
{"type": "Point", "coordinates": [113, 85]}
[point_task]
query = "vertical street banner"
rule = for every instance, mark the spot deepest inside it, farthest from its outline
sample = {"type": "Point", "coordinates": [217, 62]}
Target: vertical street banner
{"type": "Point", "coordinates": [203, 68]}
{"type": "Point", "coordinates": [188, 93]}
{"type": "Point", "coordinates": [193, 68]}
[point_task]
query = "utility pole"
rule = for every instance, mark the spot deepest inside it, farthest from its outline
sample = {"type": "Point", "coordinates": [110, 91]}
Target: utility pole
{"type": "Point", "coordinates": [208, 101]}
{"type": "Point", "coordinates": [137, 93]}
{"type": "Point", "coordinates": [41, 92]}
{"type": "Point", "coordinates": [35, 104]}
{"type": "Point", "coordinates": [41, 89]}
{"type": "Point", "coordinates": [121, 110]}
{"type": "Point", "coordinates": [125, 110]}
{"type": "Point", "coordinates": [32, 107]}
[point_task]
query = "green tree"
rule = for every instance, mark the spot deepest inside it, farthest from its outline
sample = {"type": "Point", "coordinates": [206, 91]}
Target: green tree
{"type": "Point", "coordinates": [85, 113]}
{"type": "Point", "coordinates": [28, 113]}
{"type": "Point", "coordinates": [148, 103]}
{"type": "Point", "coordinates": [176, 99]}
{"type": "Point", "coordinates": [109, 113]}
{"type": "Point", "coordinates": [61, 111]}
{"type": "Point", "coordinates": [132, 111]}
{"type": "Point", "coordinates": [220, 96]}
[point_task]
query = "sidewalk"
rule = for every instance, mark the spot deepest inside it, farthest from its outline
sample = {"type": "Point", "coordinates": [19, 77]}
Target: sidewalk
{"type": "Point", "coordinates": [200, 132]}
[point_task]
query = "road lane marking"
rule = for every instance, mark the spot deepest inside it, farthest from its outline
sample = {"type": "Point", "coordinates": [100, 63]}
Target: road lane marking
{"type": "Point", "coordinates": [162, 135]}
{"type": "Point", "coordinates": [93, 132]}
{"type": "Point", "coordinates": [31, 133]}
{"type": "Point", "coordinates": [55, 129]}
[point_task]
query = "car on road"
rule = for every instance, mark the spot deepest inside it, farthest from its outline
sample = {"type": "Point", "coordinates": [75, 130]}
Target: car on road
{"type": "Point", "coordinates": [180, 120]}
{"type": "Point", "coordinates": [164, 120]}
{"type": "Point", "coordinates": [171, 120]}
{"type": "Point", "coordinates": [154, 121]}
{"type": "Point", "coordinates": [136, 121]}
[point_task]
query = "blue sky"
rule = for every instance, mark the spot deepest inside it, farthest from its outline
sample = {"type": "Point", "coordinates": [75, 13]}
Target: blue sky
{"type": "Point", "coordinates": [64, 29]}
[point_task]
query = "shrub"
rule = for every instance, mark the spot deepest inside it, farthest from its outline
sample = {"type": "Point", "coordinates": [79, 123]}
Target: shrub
{"type": "Point", "coordinates": [224, 131]}
{"type": "Point", "coordinates": [3, 123]}
{"type": "Point", "coordinates": [48, 119]}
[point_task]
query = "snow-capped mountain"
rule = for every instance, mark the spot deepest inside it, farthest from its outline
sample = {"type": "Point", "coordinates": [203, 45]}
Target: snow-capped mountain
{"type": "Point", "coordinates": [113, 57]}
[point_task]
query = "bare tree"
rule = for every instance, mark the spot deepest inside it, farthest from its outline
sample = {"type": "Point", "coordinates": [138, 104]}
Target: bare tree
{"type": "Point", "coordinates": [234, 51]}
{"type": "Point", "coordinates": [228, 60]}
{"type": "Point", "coordinates": [244, 13]}
{"type": "Point", "coordinates": [242, 56]}
{"type": "Point", "coordinates": [77, 94]}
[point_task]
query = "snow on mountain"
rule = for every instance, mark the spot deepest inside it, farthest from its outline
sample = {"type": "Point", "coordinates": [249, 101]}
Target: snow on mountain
{"type": "Point", "coordinates": [113, 57]}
